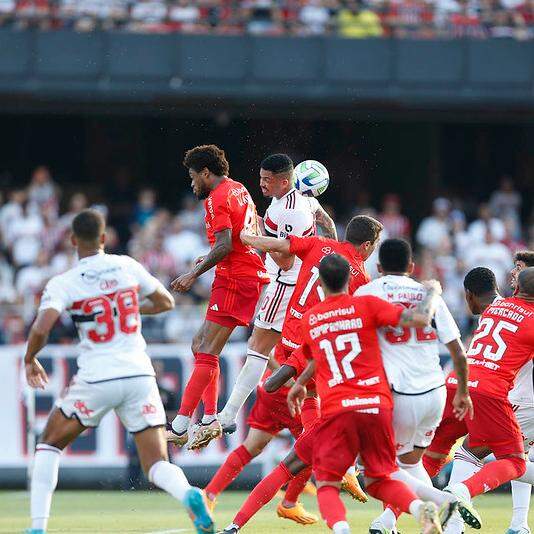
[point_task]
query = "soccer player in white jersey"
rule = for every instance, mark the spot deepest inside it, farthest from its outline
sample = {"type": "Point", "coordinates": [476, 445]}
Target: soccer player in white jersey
{"type": "Point", "coordinates": [290, 213]}
{"type": "Point", "coordinates": [105, 296]}
{"type": "Point", "coordinates": [411, 361]}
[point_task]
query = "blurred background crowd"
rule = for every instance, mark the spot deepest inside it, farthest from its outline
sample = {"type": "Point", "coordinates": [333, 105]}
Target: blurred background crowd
{"type": "Point", "coordinates": [418, 19]}
{"type": "Point", "coordinates": [455, 236]}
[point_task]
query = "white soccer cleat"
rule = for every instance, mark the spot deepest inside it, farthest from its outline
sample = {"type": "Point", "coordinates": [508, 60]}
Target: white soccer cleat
{"type": "Point", "coordinates": [377, 527]}
{"type": "Point", "coordinates": [429, 519]}
{"type": "Point", "coordinates": [465, 507]}
{"type": "Point", "coordinates": [455, 525]}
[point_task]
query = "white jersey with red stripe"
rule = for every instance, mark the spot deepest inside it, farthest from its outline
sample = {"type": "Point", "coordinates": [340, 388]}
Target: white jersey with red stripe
{"type": "Point", "coordinates": [292, 214]}
{"type": "Point", "coordinates": [101, 294]}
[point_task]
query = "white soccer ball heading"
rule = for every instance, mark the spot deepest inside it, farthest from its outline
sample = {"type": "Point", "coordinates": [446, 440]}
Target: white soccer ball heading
{"type": "Point", "coordinates": [311, 178]}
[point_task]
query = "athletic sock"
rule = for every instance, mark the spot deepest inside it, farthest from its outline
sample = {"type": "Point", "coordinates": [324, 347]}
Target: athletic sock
{"type": "Point", "coordinates": [392, 492]}
{"type": "Point", "coordinates": [206, 366]}
{"type": "Point", "coordinates": [180, 423]}
{"type": "Point", "coordinates": [388, 518]}
{"type": "Point", "coordinates": [262, 494]}
{"type": "Point", "coordinates": [422, 489]}
{"type": "Point", "coordinates": [295, 486]}
{"type": "Point", "coordinates": [211, 395]}
{"type": "Point", "coordinates": [521, 504]}
{"type": "Point", "coordinates": [310, 412]}
{"type": "Point", "coordinates": [494, 474]}
{"type": "Point", "coordinates": [330, 505]}
{"type": "Point", "coordinates": [465, 465]}
{"type": "Point", "coordinates": [247, 380]}
{"type": "Point", "coordinates": [341, 527]}
{"type": "Point", "coordinates": [417, 471]}
{"type": "Point", "coordinates": [44, 482]}
{"type": "Point", "coordinates": [433, 465]}
{"type": "Point", "coordinates": [169, 477]}
{"type": "Point", "coordinates": [228, 471]}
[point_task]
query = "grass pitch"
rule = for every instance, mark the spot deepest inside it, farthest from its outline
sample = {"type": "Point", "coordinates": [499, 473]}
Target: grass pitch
{"type": "Point", "coordinates": [153, 512]}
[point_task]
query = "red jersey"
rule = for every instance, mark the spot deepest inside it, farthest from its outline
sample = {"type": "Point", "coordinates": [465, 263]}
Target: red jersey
{"type": "Point", "coordinates": [501, 345]}
{"type": "Point", "coordinates": [340, 334]}
{"type": "Point", "coordinates": [308, 292]}
{"type": "Point", "coordinates": [230, 206]}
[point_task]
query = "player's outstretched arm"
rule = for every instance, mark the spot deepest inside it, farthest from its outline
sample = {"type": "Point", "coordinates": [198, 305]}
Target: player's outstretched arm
{"type": "Point", "coordinates": [279, 378]}
{"type": "Point", "coordinates": [221, 248]}
{"type": "Point", "coordinates": [158, 302]}
{"type": "Point", "coordinates": [462, 404]}
{"type": "Point", "coordinates": [35, 374]}
{"type": "Point", "coordinates": [265, 244]}
{"type": "Point", "coordinates": [325, 223]}
{"type": "Point", "coordinates": [422, 314]}
{"type": "Point", "coordinates": [297, 394]}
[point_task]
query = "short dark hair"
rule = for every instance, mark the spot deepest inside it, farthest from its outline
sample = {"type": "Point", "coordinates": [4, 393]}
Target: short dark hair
{"type": "Point", "coordinates": [334, 271]}
{"type": "Point", "coordinates": [480, 281]}
{"type": "Point", "coordinates": [88, 225]}
{"type": "Point", "coordinates": [209, 157]}
{"type": "Point", "coordinates": [525, 281]}
{"type": "Point", "coordinates": [363, 228]}
{"type": "Point", "coordinates": [395, 255]}
{"type": "Point", "coordinates": [526, 256]}
{"type": "Point", "coordinates": [277, 163]}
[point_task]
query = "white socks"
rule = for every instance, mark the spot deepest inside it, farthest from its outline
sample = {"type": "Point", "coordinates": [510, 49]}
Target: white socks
{"type": "Point", "coordinates": [388, 519]}
{"type": "Point", "coordinates": [341, 527]}
{"type": "Point", "coordinates": [247, 380]}
{"type": "Point", "coordinates": [528, 477]}
{"type": "Point", "coordinates": [521, 503]}
{"type": "Point", "coordinates": [207, 419]}
{"type": "Point", "coordinates": [169, 477]}
{"type": "Point", "coordinates": [44, 482]}
{"type": "Point", "coordinates": [415, 508]}
{"type": "Point", "coordinates": [180, 423]}
{"type": "Point", "coordinates": [422, 489]}
{"type": "Point", "coordinates": [416, 470]}
{"type": "Point", "coordinates": [465, 465]}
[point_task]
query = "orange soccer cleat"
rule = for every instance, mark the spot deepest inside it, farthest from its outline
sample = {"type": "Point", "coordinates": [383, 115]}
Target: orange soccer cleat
{"type": "Point", "coordinates": [297, 514]}
{"type": "Point", "coordinates": [310, 489]}
{"type": "Point", "coordinates": [351, 485]}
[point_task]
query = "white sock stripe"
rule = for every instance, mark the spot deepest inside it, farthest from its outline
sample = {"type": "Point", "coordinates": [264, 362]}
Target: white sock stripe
{"type": "Point", "coordinates": [467, 460]}
{"type": "Point", "coordinates": [466, 456]}
{"type": "Point", "coordinates": [45, 447]}
{"type": "Point", "coordinates": [462, 450]}
{"type": "Point", "coordinates": [255, 354]}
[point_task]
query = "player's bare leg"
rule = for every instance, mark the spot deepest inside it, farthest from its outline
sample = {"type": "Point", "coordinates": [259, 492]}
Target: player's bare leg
{"type": "Point", "coordinates": [58, 433]}
{"type": "Point", "coordinates": [203, 384]}
{"type": "Point", "coordinates": [152, 449]}
{"type": "Point", "coordinates": [260, 344]}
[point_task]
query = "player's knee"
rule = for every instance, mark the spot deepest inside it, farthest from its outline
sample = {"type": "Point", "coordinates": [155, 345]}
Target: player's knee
{"type": "Point", "coordinates": [254, 449]}
{"type": "Point", "coordinates": [519, 465]}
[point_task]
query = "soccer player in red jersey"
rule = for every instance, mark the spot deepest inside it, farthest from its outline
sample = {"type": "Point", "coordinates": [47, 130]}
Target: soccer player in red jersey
{"type": "Point", "coordinates": [501, 345]}
{"type": "Point", "coordinates": [340, 335]}
{"type": "Point", "coordinates": [239, 275]}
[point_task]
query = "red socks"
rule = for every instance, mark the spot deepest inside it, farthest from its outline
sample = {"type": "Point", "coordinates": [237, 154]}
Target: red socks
{"type": "Point", "coordinates": [433, 465]}
{"type": "Point", "coordinates": [393, 492]}
{"type": "Point", "coordinates": [228, 471]}
{"type": "Point", "coordinates": [263, 493]}
{"type": "Point", "coordinates": [211, 394]}
{"type": "Point", "coordinates": [309, 412]}
{"type": "Point", "coordinates": [330, 505]}
{"type": "Point", "coordinates": [295, 487]}
{"type": "Point", "coordinates": [206, 367]}
{"type": "Point", "coordinates": [494, 474]}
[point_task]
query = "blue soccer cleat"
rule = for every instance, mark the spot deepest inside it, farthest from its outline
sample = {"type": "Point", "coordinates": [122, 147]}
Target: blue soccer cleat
{"type": "Point", "coordinates": [198, 511]}
{"type": "Point", "coordinates": [34, 531]}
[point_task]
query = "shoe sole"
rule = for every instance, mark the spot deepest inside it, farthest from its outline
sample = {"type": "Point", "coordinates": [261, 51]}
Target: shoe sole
{"type": "Point", "coordinates": [207, 436]}
{"type": "Point", "coordinates": [470, 516]}
{"type": "Point", "coordinates": [229, 429]}
{"type": "Point", "coordinates": [354, 494]}
{"type": "Point", "coordinates": [198, 511]}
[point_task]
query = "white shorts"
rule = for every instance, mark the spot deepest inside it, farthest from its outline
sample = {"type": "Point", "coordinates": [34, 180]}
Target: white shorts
{"type": "Point", "coordinates": [416, 417]}
{"type": "Point", "coordinates": [525, 419]}
{"type": "Point", "coordinates": [136, 402]}
{"type": "Point", "coordinates": [274, 306]}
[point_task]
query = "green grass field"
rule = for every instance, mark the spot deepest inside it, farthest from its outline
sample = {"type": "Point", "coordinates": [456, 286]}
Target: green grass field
{"type": "Point", "coordinates": [155, 513]}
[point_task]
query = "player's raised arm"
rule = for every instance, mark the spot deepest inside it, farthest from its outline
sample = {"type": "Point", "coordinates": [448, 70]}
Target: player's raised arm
{"type": "Point", "coordinates": [45, 320]}
{"type": "Point", "coordinates": [422, 314]}
{"type": "Point", "coordinates": [221, 248]}
{"type": "Point", "coordinates": [325, 223]}
{"type": "Point", "coordinates": [265, 244]}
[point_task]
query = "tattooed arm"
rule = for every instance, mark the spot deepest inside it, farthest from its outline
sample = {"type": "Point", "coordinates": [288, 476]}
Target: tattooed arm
{"type": "Point", "coordinates": [325, 223]}
{"type": "Point", "coordinates": [422, 314]}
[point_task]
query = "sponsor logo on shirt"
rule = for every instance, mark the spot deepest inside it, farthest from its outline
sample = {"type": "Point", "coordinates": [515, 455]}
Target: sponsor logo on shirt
{"type": "Point", "coordinates": [214, 308]}
{"type": "Point", "coordinates": [106, 285]}
{"type": "Point", "coordinates": [358, 401]}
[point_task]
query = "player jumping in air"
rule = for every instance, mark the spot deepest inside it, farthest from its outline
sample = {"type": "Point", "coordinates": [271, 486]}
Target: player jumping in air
{"type": "Point", "coordinates": [339, 335]}
{"type": "Point", "coordinates": [501, 345]}
{"type": "Point", "coordinates": [411, 360]}
{"type": "Point", "coordinates": [289, 213]}
{"type": "Point", "coordinates": [105, 296]}
{"type": "Point", "coordinates": [239, 276]}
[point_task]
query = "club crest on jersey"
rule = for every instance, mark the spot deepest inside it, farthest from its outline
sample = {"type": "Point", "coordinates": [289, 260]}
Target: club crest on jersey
{"type": "Point", "coordinates": [90, 277]}
{"type": "Point", "coordinates": [106, 285]}
{"type": "Point", "coordinates": [326, 250]}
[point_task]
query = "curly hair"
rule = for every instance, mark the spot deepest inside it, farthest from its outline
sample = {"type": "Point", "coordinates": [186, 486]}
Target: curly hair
{"type": "Point", "coordinates": [209, 157]}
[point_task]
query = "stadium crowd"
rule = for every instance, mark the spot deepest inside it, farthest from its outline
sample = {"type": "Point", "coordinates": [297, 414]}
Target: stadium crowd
{"type": "Point", "coordinates": [419, 19]}
{"type": "Point", "coordinates": [35, 245]}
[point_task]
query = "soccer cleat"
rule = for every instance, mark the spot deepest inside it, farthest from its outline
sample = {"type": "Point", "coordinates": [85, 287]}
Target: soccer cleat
{"type": "Point", "coordinates": [455, 525]}
{"type": "Point", "coordinates": [351, 485]}
{"type": "Point", "coordinates": [465, 507]}
{"type": "Point", "coordinates": [177, 439]}
{"type": "Point", "coordinates": [230, 529]}
{"type": "Point", "coordinates": [297, 514]}
{"type": "Point", "coordinates": [310, 489]}
{"type": "Point", "coordinates": [210, 501]}
{"type": "Point", "coordinates": [229, 429]}
{"type": "Point", "coordinates": [446, 511]}
{"type": "Point", "coordinates": [198, 511]}
{"type": "Point", "coordinates": [204, 434]}
{"type": "Point", "coordinates": [376, 527]}
{"type": "Point", "coordinates": [429, 519]}
{"type": "Point", "coordinates": [34, 531]}
{"type": "Point", "coordinates": [520, 530]}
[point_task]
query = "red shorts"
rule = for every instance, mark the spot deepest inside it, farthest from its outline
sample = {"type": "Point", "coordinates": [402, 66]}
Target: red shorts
{"type": "Point", "coordinates": [233, 302]}
{"type": "Point", "coordinates": [493, 426]}
{"type": "Point", "coordinates": [271, 414]}
{"type": "Point", "coordinates": [333, 444]}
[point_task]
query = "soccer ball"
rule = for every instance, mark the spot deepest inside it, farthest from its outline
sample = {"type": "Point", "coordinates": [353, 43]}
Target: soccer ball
{"type": "Point", "coordinates": [311, 178]}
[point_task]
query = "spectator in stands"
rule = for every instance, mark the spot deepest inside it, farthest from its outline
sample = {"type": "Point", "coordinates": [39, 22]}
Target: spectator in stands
{"type": "Point", "coordinates": [77, 203]}
{"type": "Point", "coordinates": [183, 245]}
{"type": "Point", "coordinates": [486, 221]}
{"type": "Point", "coordinates": [146, 207]}
{"type": "Point", "coordinates": [356, 21]}
{"type": "Point", "coordinates": [23, 235]}
{"type": "Point", "coordinates": [434, 229]}
{"type": "Point", "coordinates": [185, 16]}
{"type": "Point", "coordinates": [148, 16]}
{"type": "Point", "coordinates": [505, 203]}
{"type": "Point", "coordinates": [395, 223]}
{"type": "Point", "coordinates": [42, 191]}
{"type": "Point", "coordinates": [11, 211]}
{"type": "Point", "coordinates": [263, 17]}
{"type": "Point", "coordinates": [314, 18]}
